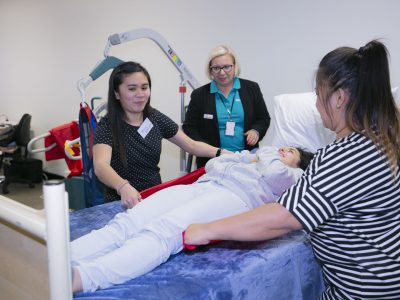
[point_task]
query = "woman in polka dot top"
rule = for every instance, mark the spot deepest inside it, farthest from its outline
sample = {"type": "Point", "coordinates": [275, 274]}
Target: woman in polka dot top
{"type": "Point", "coordinates": [127, 141]}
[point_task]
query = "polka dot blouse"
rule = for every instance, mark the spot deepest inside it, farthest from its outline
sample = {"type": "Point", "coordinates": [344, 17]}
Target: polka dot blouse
{"type": "Point", "coordinates": [143, 154]}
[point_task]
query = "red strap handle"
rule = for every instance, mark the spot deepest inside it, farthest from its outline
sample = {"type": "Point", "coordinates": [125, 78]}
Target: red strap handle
{"type": "Point", "coordinates": [192, 247]}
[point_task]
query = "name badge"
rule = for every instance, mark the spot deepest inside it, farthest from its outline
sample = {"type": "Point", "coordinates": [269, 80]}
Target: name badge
{"type": "Point", "coordinates": [230, 128]}
{"type": "Point", "coordinates": [208, 116]}
{"type": "Point", "coordinates": [145, 128]}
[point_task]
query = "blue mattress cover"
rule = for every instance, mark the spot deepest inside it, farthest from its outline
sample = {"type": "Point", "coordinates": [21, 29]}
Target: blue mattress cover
{"type": "Point", "coordinates": [283, 268]}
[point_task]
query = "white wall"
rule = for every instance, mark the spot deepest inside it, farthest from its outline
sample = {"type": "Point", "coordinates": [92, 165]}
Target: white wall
{"type": "Point", "coordinates": [46, 46]}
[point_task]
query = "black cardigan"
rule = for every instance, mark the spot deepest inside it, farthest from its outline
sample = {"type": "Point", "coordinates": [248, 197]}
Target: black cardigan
{"type": "Point", "coordinates": [202, 103]}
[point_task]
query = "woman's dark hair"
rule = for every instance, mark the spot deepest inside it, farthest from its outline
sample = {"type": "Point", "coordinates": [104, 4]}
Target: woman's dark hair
{"type": "Point", "coordinates": [115, 112]}
{"type": "Point", "coordinates": [305, 158]}
{"type": "Point", "coordinates": [364, 74]}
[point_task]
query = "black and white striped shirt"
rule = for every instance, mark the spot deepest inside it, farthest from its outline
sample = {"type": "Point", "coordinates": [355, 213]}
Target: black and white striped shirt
{"type": "Point", "coordinates": [349, 202]}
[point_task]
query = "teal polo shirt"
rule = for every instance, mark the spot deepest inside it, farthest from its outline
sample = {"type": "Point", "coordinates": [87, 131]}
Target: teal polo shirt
{"type": "Point", "coordinates": [229, 109]}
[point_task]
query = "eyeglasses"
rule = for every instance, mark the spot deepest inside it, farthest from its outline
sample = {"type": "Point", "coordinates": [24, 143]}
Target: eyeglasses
{"type": "Point", "coordinates": [217, 69]}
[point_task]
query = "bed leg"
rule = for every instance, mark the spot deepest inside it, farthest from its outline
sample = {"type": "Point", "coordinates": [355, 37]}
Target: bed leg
{"type": "Point", "coordinates": [4, 187]}
{"type": "Point", "coordinates": [58, 246]}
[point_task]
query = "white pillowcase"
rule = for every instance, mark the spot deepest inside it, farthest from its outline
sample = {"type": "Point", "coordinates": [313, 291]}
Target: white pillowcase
{"type": "Point", "coordinates": [296, 121]}
{"type": "Point", "coordinates": [396, 95]}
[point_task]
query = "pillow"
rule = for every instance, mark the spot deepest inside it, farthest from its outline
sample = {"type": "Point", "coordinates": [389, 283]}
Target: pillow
{"type": "Point", "coordinates": [396, 95]}
{"type": "Point", "coordinates": [296, 122]}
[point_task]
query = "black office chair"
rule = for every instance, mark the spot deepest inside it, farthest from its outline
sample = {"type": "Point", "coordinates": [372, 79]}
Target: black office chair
{"type": "Point", "coordinates": [17, 167]}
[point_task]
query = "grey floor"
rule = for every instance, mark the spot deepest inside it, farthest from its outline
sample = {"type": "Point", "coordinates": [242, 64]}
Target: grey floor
{"type": "Point", "coordinates": [29, 196]}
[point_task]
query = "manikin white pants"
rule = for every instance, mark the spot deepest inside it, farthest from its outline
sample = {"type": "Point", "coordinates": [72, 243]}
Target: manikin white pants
{"type": "Point", "coordinates": [140, 239]}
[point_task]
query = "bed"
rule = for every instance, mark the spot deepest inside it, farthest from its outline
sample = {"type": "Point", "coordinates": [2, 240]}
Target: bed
{"type": "Point", "coordinates": [34, 261]}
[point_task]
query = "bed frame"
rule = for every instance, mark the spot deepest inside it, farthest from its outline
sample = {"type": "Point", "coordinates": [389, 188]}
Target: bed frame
{"type": "Point", "coordinates": [34, 247]}
{"type": "Point", "coordinates": [35, 262]}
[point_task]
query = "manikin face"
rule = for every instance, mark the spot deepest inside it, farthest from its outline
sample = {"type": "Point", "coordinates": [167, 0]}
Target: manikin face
{"type": "Point", "coordinates": [222, 77]}
{"type": "Point", "coordinates": [290, 156]}
{"type": "Point", "coordinates": [134, 92]}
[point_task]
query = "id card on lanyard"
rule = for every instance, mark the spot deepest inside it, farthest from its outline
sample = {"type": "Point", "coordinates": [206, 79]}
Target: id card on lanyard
{"type": "Point", "coordinates": [230, 124]}
{"type": "Point", "coordinates": [230, 128]}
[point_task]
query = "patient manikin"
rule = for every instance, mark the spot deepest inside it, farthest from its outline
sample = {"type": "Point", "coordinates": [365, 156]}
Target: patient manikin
{"type": "Point", "coordinates": [138, 240]}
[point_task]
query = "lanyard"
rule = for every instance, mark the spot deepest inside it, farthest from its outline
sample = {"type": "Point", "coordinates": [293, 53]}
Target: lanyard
{"type": "Point", "coordinates": [227, 109]}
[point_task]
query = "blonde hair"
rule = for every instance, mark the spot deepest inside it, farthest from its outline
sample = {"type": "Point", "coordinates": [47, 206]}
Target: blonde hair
{"type": "Point", "coordinates": [220, 51]}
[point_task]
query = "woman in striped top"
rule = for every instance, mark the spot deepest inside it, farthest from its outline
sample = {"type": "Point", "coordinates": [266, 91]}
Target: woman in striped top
{"type": "Point", "coordinates": [349, 197]}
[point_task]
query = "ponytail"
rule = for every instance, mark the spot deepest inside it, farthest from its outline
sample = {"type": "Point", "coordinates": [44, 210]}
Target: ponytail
{"type": "Point", "coordinates": [374, 108]}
